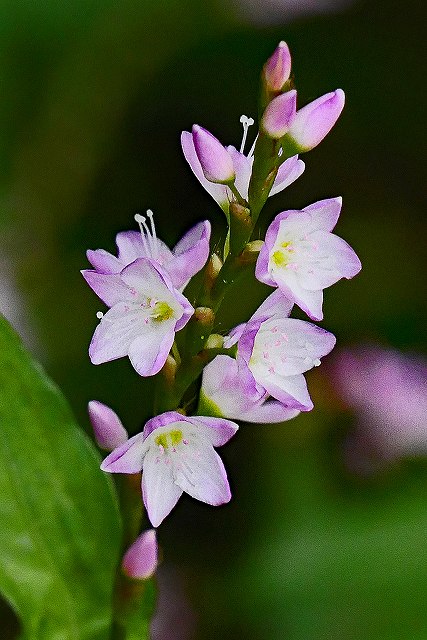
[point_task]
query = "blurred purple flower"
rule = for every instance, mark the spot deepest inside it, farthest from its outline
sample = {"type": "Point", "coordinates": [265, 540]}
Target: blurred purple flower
{"type": "Point", "coordinates": [302, 257]}
{"type": "Point", "coordinates": [176, 454]}
{"type": "Point", "coordinates": [388, 391]}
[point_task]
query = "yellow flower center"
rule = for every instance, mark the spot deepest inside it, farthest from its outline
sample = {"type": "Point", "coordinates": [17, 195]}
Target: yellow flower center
{"type": "Point", "coordinates": [281, 257]}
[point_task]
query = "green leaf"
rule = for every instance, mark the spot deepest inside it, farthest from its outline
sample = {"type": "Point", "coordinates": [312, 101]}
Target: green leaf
{"type": "Point", "coordinates": [60, 531]}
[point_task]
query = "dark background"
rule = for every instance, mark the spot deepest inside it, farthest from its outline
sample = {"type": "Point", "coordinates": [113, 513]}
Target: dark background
{"type": "Point", "coordinates": [94, 97]}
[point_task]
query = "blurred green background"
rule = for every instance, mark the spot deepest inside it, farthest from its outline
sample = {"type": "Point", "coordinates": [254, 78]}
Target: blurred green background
{"type": "Point", "coordinates": [94, 97]}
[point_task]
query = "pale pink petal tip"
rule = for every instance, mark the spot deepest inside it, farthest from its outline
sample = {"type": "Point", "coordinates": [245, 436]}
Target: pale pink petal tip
{"type": "Point", "coordinates": [216, 162]}
{"type": "Point", "coordinates": [280, 114]}
{"type": "Point", "coordinates": [107, 427]}
{"type": "Point", "coordinates": [140, 560]}
{"type": "Point", "coordinates": [277, 69]}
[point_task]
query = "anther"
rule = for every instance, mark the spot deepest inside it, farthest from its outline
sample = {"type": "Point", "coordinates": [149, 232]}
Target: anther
{"type": "Point", "coordinates": [99, 315]}
{"type": "Point", "coordinates": [246, 122]}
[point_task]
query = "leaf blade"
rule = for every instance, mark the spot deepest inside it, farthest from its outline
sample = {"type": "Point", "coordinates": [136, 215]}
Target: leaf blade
{"type": "Point", "coordinates": [60, 536]}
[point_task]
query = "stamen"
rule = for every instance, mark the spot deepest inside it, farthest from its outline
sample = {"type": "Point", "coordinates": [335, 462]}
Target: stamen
{"type": "Point", "coordinates": [150, 215]}
{"type": "Point", "coordinates": [99, 315]}
{"type": "Point", "coordinates": [145, 232]}
{"type": "Point", "coordinates": [252, 149]}
{"type": "Point", "coordinates": [246, 122]}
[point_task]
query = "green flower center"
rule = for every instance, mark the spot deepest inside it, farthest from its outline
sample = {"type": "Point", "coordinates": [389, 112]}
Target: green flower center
{"type": "Point", "coordinates": [162, 311]}
{"type": "Point", "coordinates": [169, 439]}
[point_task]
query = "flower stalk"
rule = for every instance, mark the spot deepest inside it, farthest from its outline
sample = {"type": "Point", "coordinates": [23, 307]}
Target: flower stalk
{"type": "Point", "coordinates": [162, 312]}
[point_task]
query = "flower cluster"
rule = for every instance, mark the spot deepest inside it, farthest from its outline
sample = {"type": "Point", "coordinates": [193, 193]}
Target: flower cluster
{"type": "Point", "coordinates": [253, 372]}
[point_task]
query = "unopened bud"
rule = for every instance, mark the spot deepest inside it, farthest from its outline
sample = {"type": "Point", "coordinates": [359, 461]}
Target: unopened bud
{"type": "Point", "coordinates": [314, 121]}
{"type": "Point", "coordinates": [216, 162]}
{"type": "Point", "coordinates": [107, 427]}
{"type": "Point", "coordinates": [280, 114]}
{"type": "Point", "coordinates": [212, 270]}
{"type": "Point", "coordinates": [204, 315]}
{"type": "Point", "coordinates": [277, 69]}
{"type": "Point", "coordinates": [215, 341]}
{"type": "Point", "coordinates": [251, 251]}
{"type": "Point", "coordinates": [140, 560]}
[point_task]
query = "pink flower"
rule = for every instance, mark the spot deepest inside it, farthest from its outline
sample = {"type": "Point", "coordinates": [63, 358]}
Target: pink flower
{"type": "Point", "coordinates": [146, 313]}
{"type": "Point", "coordinates": [216, 162]}
{"type": "Point", "coordinates": [181, 263]}
{"type": "Point", "coordinates": [288, 172]}
{"type": "Point", "coordinates": [107, 427]}
{"type": "Point", "coordinates": [277, 69]}
{"type": "Point", "coordinates": [279, 114]}
{"type": "Point", "coordinates": [176, 454]}
{"type": "Point", "coordinates": [302, 257]}
{"type": "Point", "coordinates": [140, 560]}
{"type": "Point", "coordinates": [314, 121]}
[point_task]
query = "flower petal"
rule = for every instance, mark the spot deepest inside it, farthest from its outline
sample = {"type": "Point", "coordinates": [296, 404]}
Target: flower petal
{"type": "Point", "coordinates": [159, 491]}
{"type": "Point", "coordinates": [276, 304]}
{"type": "Point", "coordinates": [243, 169]}
{"type": "Point", "coordinates": [127, 458]}
{"type": "Point", "coordinates": [107, 286]}
{"type": "Point", "coordinates": [324, 214]}
{"type": "Point", "coordinates": [131, 246]}
{"type": "Point", "coordinates": [269, 412]}
{"type": "Point", "coordinates": [228, 388]}
{"type": "Point", "coordinates": [217, 431]}
{"type": "Point", "coordinates": [288, 172]}
{"type": "Point", "coordinates": [217, 191]}
{"type": "Point", "coordinates": [190, 254]}
{"type": "Point", "coordinates": [149, 278]}
{"type": "Point", "coordinates": [200, 473]}
{"type": "Point", "coordinates": [309, 301]}
{"type": "Point", "coordinates": [162, 420]}
{"type": "Point", "coordinates": [119, 327]}
{"type": "Point", "coordinates": [148, 352]}
{"type": "Point", "coordinates": [290, 390]}
{"type": "Point", "coordinates": [103, 261]}
{"type": "Point", "coordinates": [107, 427]}
{"type": "Point", "coordinates": [140, 560]}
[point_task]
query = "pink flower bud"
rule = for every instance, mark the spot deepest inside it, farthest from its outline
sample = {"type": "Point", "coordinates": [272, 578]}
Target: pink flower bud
{"type": "Point", "coordinates": [140, 560]}
{"type": "Point", "coordinates": [107, 427]}
{"type": "Point", "coordinates": [277, 69]}
{"type": "Point", "coordinates": [314, 121]}
{"type": "Point", "coordinates": [216, 162]}
{"type": "Point", "coordinates": [279, 114]}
